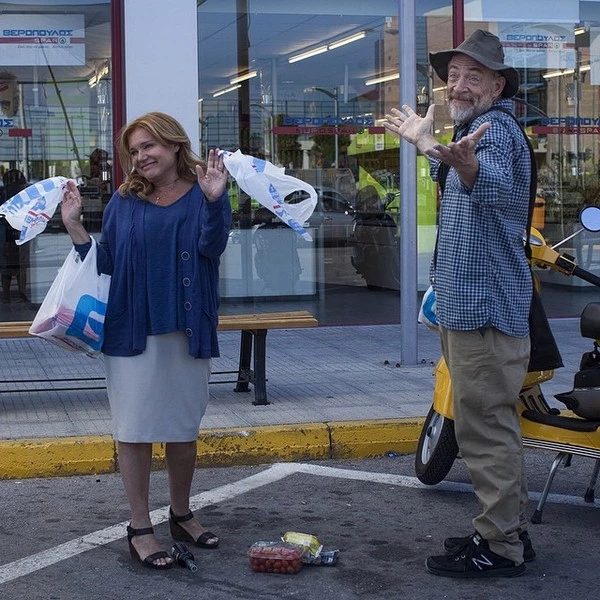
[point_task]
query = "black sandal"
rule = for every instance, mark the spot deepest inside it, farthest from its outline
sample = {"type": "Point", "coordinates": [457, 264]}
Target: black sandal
{"type": "Point", "coordinates": [149, 560]}
{"type": "Point", "coordinates": [180, 534]}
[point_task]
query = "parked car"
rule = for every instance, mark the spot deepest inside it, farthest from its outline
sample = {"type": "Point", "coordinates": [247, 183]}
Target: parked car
{"type": "Point", "coordinates": [332, 215]}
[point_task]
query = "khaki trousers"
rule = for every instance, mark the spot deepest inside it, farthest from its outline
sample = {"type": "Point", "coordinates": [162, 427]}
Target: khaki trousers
{"type": "Point", "coordinates": [487, 369]}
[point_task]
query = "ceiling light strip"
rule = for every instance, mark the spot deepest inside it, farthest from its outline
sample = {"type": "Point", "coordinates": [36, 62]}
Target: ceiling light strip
{"type": "Point", "coordinates": [308, 54]}
{"type": "Point", "coordinates": [359, 35]}
{"type": "Point", "coordinates": [382, 79]}
{"type": "Point", "coordinates": [244, 77]}
{"type": "Point", "coordinates": [347, 40]}
{"type": "Point", "coordinates": [552, 74]}
{"type": "Point", "coordinates": [226, 90]}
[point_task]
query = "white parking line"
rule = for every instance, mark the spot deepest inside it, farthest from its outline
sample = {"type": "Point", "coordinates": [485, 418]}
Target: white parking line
{"type": "Point", "coordinates": [413, 482]}
{"type": "Point", "coordinates": [43, 559]}
{"type": "Point", "coordinates": [276, 472]}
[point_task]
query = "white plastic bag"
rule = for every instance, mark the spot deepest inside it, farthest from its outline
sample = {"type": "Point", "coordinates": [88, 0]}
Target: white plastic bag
{"type": "Point", "coordinates": [72, 313]}
{"type": "Point", "coordinates": [269, 185]}
{"type": "Point", "coordinates": [30, 210]}
{"type": "Point", "coordinates": [427, 312]}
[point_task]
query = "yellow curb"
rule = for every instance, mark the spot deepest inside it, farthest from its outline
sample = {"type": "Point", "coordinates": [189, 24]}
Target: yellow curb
{"type": "Point", "coordinates": [256, 445]}
{"type": "Point", "coordinates": [364, 439]}
{"type": "Point", "coordinates": [47, 457]}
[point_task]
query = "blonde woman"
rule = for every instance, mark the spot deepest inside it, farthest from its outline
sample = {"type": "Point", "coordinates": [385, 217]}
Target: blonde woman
{"type": "Point", "coordinates": [163, 232]}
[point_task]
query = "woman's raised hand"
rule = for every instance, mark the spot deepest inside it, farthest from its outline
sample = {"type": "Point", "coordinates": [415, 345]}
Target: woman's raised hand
{"type": "Point", "coordinates": [71, 207]}
{"type": "Point", "coordinates": [212, 181]}
{"type": "Point", "coordinates": [70, 212]}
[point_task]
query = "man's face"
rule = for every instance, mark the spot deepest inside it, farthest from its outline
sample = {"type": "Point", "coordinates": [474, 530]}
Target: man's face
{"type": "Point", "coordinates": [472, 88]}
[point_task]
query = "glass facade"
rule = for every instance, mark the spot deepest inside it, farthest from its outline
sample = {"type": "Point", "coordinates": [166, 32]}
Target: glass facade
{"type": "Point", "coordinates": [558, 59]}
{"type": "Point", "coordinates": [55, 120]}
{"type": "Point", "coordinates": [306, 87]}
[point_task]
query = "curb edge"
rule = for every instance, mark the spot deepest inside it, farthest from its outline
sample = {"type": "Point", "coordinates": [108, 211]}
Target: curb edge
{"type": "Point", "coordinates": [89, 455]}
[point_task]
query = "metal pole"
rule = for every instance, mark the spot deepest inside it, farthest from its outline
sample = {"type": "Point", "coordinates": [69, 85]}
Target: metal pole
{"type": "Point", "coordinates": [25, 139]}
{"type": "Point", "coordinates": [408, 190]}
{"type": "Point", "coordinates": [336, 111]}
{"type": "Point", "coordinates": [337, 114]}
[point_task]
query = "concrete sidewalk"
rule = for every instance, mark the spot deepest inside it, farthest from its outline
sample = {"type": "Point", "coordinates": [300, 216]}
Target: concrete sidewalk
{"type": "Point", "coordinates": [334, 392]}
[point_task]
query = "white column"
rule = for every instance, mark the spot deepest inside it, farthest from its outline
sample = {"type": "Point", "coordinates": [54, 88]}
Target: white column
{"type": "Point", "coordinates": [161, 61]}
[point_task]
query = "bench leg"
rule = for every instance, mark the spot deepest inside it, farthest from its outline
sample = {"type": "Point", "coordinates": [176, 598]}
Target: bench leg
{"type": "Point", "coordinates": [260, 368]}
{"type": "Point", "coordinates": [244, 372]}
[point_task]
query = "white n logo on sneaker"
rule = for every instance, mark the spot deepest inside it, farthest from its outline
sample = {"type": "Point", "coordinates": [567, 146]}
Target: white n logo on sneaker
{"type": "Point", "coordinates": [482, 562]}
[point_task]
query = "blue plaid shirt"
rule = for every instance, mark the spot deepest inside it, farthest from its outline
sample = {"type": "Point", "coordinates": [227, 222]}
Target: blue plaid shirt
{"type": "Point", "coordinates": [480, 272]}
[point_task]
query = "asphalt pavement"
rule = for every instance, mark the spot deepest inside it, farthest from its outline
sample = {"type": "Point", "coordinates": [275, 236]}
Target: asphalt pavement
{"type": "Point", "coordinates": [335, 393]}
{"type": "Point", "coordinates": [64, 538]}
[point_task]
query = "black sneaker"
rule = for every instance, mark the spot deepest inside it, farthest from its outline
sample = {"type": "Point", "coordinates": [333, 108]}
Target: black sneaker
{"type": "Point", "coordinates": [452, 545]}
{"type": "Point", "coordinates": [475, 560]}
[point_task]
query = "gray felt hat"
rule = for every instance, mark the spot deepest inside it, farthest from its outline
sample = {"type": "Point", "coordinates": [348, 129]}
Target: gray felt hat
{"type": "Point", "coordinates": [485, 48]}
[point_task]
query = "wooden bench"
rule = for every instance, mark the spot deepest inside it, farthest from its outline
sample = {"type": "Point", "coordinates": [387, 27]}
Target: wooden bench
{"type": "Point", "coordinates": [252, 368]}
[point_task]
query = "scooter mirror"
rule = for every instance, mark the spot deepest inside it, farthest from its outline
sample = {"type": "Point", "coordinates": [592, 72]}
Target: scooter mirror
{"type": "Point", "coordinates": [589, 217]}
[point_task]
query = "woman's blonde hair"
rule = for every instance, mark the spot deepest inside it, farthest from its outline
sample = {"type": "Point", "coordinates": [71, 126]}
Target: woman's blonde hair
{"type": "Point", "coordinates": [165, 130]}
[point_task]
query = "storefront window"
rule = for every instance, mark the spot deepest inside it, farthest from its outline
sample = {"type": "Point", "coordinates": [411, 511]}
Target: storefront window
{"type": "Point", "coordinates": [305, 87]}
{"type": "Point", "coordinates": [558, 102]}
{"type": "Point", "coordinates": [55, 120]}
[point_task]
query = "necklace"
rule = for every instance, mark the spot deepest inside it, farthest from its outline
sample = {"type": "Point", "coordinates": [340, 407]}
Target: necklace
{"type": "Point", "coordinates": [167, 189]}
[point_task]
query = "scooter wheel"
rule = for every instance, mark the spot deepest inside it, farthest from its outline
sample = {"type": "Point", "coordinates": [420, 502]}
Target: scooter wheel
{"type": "Point", "coordinates": [437, 449]}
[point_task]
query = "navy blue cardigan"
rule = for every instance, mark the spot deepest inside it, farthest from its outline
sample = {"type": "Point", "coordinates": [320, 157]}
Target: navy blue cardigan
{"type": "Point", "coordinates": [122, 254]}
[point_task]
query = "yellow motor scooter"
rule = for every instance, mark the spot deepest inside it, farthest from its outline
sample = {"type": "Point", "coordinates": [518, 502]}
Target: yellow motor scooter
{"type": "Point", "coordinates": [574, 431]}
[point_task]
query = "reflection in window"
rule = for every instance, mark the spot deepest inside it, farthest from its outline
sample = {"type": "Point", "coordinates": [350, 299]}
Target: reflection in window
{"type": "Point", "coordinates": [305, 89]}
{"type": "Point", "coordinates": [55, 120]}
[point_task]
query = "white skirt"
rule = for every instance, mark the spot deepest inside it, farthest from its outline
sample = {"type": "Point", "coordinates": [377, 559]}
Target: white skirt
{"type": "Point", "coordinates": [159, 395]}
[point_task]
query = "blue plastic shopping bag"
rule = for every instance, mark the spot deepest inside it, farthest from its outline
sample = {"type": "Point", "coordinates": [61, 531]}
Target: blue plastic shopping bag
{"type": "Point", "coordinates": [427, 312]}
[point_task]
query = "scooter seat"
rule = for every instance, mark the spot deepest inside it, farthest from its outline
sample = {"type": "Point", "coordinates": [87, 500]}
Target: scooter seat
{"type": "Point", "coordinates": [589, 324]}
{"type": "Point", "coordinates": [583, 401]}
{"type": "Point", "coordinates": [561, 421]}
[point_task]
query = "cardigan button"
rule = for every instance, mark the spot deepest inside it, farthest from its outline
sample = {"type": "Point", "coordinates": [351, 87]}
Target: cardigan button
{"type": "Point", "coordinates": [187, 305]}
{"type": "Point", "coordinates": [185, 255]}
{"type": "Point", "coordinates": [189, 332]}
{"type": "Point", "coordinates": [187, 282]}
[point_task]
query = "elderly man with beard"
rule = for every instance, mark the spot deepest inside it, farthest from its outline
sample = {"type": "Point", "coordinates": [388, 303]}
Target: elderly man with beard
{"type": "Point", "coordinates": [483, 289]}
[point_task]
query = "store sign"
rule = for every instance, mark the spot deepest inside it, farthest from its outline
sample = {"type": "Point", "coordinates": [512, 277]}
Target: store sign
{"type": "Point", "coordinates": [578, 130]}
{"type": "Point", "coordinates": [42, 39]}
{"type": "Point", "coordinates": [343, 130]}
{"type": "Point", "coordinates": [325, 121]}
{"type": "Point", "coordinates": [551, 46]}
{"type": "Point", "coordinates": [293, 125]}
{"type": "Point", "coordinates": [568, 126]}
{"type": "Point", "coordinates": [20, 132]}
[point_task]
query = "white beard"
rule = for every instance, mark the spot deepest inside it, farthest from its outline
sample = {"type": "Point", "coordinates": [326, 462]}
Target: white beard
{"type": "Point", "coordinates": [463, 114]}
{"type": "Point", "coordinates": [460, 114]}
